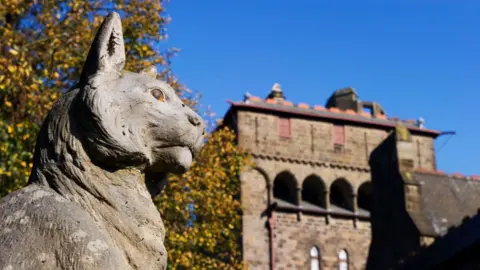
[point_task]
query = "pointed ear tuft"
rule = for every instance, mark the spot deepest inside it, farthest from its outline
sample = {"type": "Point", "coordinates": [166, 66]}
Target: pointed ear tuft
{"type": "Point", "coordinates": [150, 71]}
{"type": "Point", "coordinates": [107, 52]}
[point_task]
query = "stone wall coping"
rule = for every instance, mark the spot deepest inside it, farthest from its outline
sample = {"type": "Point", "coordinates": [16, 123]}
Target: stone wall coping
{"type": "Point", "coordinates": [442, 173]}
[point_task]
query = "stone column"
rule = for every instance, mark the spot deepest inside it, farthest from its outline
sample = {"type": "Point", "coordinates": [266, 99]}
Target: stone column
{"type": "Point", "coordinates": [327, 205]}
{"type": "Point", "coordinates": [299, 203]}
{"type": "Point", "coordinates": [270, 199]}
{"type": "Point", "coordinates": [271, 226]}
{"type": "Point", "coordinates": [355, 209]}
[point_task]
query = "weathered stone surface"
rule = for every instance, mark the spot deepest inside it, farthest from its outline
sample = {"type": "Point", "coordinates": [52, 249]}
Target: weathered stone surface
{"type": "Point", "coordinates": [310, 143]}
{"type": "Point", "coordinates": [311, 140]}
{"type": "Point", "coordinates": [88, 202]}
{"type": "Point", "coordinates": [294, 238]}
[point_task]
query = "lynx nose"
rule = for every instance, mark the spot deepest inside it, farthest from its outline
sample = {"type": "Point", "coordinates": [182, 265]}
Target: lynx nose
{"type": "Point", "coordinates": [194, 120]}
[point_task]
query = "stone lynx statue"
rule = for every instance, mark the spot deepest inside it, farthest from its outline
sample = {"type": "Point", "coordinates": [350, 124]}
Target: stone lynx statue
{"type": "Point", "coordinates": [103, 151]}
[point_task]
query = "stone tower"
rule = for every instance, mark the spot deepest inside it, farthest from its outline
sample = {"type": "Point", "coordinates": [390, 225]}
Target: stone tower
{"type": "Point", "coordinates": [307, 201]}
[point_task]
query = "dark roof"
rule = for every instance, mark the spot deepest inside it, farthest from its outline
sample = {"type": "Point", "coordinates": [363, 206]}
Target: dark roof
{"type": "Point", "coordinates": [446, 201]}
{"type": "Point", "coordinates": [351, 116]}
{"type": "Point", "coordinates": [458, 240]}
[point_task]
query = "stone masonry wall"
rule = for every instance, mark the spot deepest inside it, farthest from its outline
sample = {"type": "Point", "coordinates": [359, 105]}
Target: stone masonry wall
{"type": "Point", "coordinates": [255, 236]}
{"type": "Point", "coordinates": [293, 237]}
{"type": "Point", "coordinates": [312, 140]}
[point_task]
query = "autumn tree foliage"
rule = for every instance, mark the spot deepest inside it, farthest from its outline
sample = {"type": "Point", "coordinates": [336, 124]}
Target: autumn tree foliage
{"type": "Point", "coordinates": [42, 50]}
{"type": "Point", "coordinates": [203, 207]}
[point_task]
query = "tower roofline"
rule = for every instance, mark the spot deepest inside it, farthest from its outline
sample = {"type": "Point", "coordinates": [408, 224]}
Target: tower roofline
{"type": "Point", "coordinates": [333, 114]}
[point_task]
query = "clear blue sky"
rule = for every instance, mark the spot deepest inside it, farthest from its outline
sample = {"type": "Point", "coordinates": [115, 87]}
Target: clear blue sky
{"type": "Point", "coordinates": [416, 58]}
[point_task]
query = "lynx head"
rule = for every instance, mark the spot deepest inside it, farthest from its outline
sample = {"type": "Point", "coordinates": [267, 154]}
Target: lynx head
{"type": "Point", "coordinates": [132, 119]}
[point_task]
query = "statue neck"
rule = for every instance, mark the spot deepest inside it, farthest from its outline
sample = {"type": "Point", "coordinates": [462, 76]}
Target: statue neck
{"type": "Point", "coordinates": [116, 199]}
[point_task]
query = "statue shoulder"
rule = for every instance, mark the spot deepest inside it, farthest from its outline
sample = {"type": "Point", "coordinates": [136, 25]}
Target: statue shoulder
{"type": "Point", "coordinates": [39, 229]}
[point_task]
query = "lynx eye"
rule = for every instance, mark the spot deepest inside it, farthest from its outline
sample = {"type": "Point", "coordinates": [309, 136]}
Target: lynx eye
{"type": "Point", "coordinates": [158, 94]}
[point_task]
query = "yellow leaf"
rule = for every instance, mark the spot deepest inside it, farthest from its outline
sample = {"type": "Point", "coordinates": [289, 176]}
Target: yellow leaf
{"type": "Point", "coordinates": [23, 163]}
{"type": "Point", "coordinates": [11, 68]}
{"type": "Point", "coordinates": [8, 103]}
{"type": "Point", "coordinates": [10, 129]}
{"type": "Point", "coordinates": [13, 52]}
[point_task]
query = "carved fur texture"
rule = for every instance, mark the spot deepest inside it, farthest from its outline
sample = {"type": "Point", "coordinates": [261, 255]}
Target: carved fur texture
{"type": "Point", "coordinates": [88, 203]}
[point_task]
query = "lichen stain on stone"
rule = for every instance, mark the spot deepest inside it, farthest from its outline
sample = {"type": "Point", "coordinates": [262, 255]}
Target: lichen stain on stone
{"type": "Point", "coordinates": [13, 200]}
{"type": "Point", "coordinates": [6, 230]}
{"type": "Point", "coordinates": [60, 199]}
{"type": "Point", "coordinates": [77, 236]}
{"type": "Point", "coordinates": [8, 267]}
{"type": "Point", "coordinates": [24, 220]}
{"type": "Point", "coordinates": [402, 132]}
{"type": "Point", "coordinates": [97, 246]}
{"type": "Point", "coordinates": [87, 259]}
{"type": "Point", "coordinates": [9, 219]}
{"type": "Point", "coordinates": [45, 258]}
{"type": "Point", "coordinates": [39, 194]}
{"type": "Point", "coordinates": [17, 215]}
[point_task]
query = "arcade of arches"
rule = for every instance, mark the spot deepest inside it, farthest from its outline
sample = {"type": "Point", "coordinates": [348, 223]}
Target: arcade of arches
{"type": "Point", "coordinates": [315, 195]}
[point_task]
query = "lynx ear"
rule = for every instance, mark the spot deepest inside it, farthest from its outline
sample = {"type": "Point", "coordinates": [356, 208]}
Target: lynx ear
{"type": "Point", "coordinates": [150, 71]}
{"type": "Point", "coordinates": [107, 52]}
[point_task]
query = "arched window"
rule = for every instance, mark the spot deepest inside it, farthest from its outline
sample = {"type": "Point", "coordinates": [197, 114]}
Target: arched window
{"type": "Point", "coordinates": [314, 258]}
{"type": "Point", "coordinates": [364, 198]}
{"type": "Point", "coordinates": [313, 191]}
{"type": "Point", "coordinates": [341, 194]}
{"type": "Point", "coordinates": [285, 188]}
{"type": "Point", "coordinates": [343, 260]}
